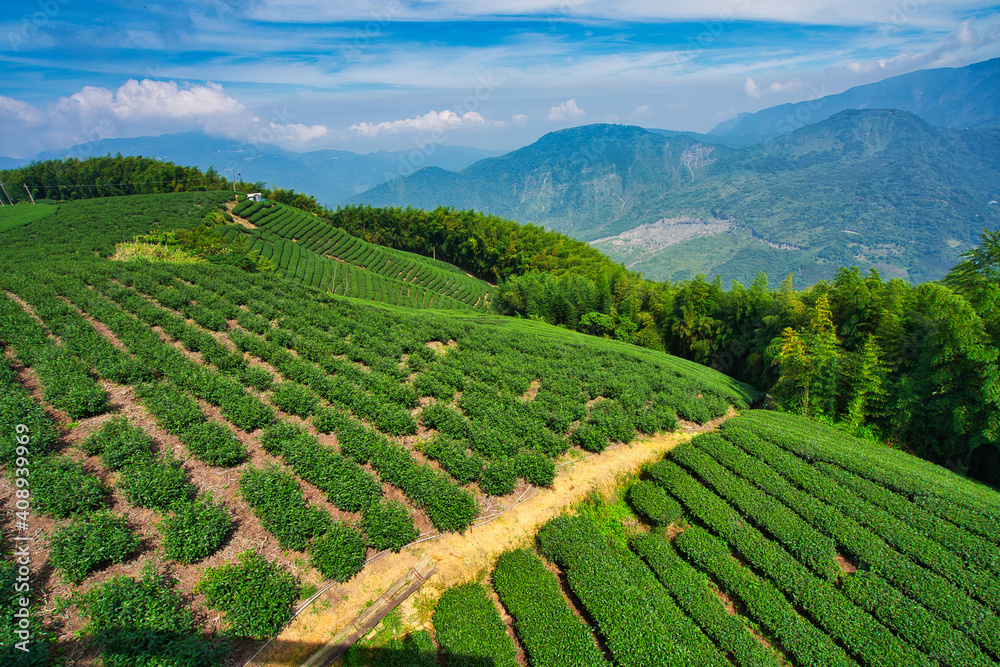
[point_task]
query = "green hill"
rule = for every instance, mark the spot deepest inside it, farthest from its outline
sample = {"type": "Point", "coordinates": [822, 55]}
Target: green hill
{"type": "Point", "coordinates": [873, 188]}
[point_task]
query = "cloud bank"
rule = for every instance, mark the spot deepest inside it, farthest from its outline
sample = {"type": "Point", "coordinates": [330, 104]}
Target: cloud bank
{"type": "Point", "coordinates": [140, 108]}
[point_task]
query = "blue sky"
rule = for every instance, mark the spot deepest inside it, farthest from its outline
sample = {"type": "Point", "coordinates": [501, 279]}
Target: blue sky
{"type": "Point", "coordinates": [365, 75]}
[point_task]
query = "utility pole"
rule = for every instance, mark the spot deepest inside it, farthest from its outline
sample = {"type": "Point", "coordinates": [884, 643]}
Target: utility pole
{"type": "Point", "coordinates": [234, 182]}
{"type": "Point", "coordinates": [5, 192]}
{"type": "Point", "coordinates": [29, 193]}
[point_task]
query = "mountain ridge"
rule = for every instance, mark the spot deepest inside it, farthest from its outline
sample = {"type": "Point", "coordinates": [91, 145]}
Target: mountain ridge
{"type": "Point", "coordinates": [885, 175]}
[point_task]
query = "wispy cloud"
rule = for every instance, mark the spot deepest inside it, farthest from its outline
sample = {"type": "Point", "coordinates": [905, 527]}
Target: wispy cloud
{"type": "Point", "coordinates": [430, 122]}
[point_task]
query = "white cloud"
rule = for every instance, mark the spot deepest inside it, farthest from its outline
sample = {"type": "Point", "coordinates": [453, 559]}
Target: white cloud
{"type": "Point", "coordinates": [432, 121]}
{"type": "Point", "coordinates": [754, 91]}
{"type": "Point", "coordinates": [567, 109]}
{"type": "Point", "coordinates": [520, 119]}
{"type": "Point", "coordinates": [966, 43]}
{"type": "Point", "coordinates": [140, 108]}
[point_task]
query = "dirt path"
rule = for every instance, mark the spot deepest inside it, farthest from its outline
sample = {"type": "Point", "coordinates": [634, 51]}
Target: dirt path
{"type": "Point", "coordinates": [460, 558]}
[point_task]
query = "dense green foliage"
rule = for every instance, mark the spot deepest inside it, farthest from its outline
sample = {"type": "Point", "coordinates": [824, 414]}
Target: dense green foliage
{"type": "Point", "coordinates": [105, 177]}
{"type": "Point", "coordinates": [22, 644]}
{"type": "Point", "coordinates": [256, 594]}
{"type": "Point", "coordinates": [490, 247]}
{"type": "Point", "coordinates": [692, 593]}
{"type": "Point", "coordinates": [550, 633]}
{"type": "Point", "coordinates": [282, 509]}
{"type": "Point", "coordinates": [469, 629]}
{"type": "Point", "coordinates": [144, 621]}
{"type": "Point", "coordinates": [639, 621]}
{"type": "Point", "coordinates": [195, 530]}
{"type": "Point", "coordinates": [654, 503]}
{"type": "Point", "coordinates": [388, 525]}
{"type": "Point", "coordinates": [339, 553]}
{"type": "Point", "coordinates": [62, 488]}
{"type": "Point", "coordinates": [90, 542]}
{"type": "Point", "coordinates": [914, 365]}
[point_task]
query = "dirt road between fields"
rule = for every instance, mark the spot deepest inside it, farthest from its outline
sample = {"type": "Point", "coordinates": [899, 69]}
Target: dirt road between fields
{"type": "Point", "coordinates": [462, 557]}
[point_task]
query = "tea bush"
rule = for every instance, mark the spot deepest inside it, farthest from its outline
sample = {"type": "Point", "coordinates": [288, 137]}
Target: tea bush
{"type": "Point", "coordinates": [195, 530]}
{"type": "Point", "coordinates": [256, 594]}
{"type": "Point", "coordinates": [90, 542]}
{"type": "Point", "coordinates": [339, 553]}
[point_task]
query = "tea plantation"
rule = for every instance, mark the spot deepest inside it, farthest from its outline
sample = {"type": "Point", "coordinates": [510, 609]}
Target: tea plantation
{"type": "Point", "coordinates": [193, 448]}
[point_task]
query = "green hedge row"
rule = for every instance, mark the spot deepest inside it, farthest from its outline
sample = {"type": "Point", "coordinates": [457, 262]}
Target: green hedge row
{"type": "Point", "coordinates": [278, 502]}
{"type": "Point", "coordinates": [828, 508]}
{"type": "Point", "coordinates": [691, 590]}
{"type": "Point", "coordinates": [551, 635]}
{"type": "Point", "coordinates": [145, 621]}
{"type": "Point", "coordinates": [61, 487]}
{"type": "Point", "coordinates": [179, 414]}
{"type": "Point", "coordinates": [918, 541]}
{"type": "Point", "coordinates": [195, 530]}
{"type": "Point", "coordinates": [90, 542]}
{"type": "Point", "coordinates": [256, 594]}
{"type": "Point", "coordinates": [639, 621]}
{"type": "Point", "coordinates": [862, 634]}
{"type": "Point", "coordinates": [808, 645]}
{"type": "Point", "coordinates": [18, 407]}
{"type": "Point", "coordinates": [654, 503]}
{"type": "Point", "coordinates": [449, 507]}
{"type": "Point", "coordinates": [454, 457]}
{"type": "Point", "coordinates": [345, 483]}
{"type": "Point", "coordinates": [469, 629]}
{"type": "Point", "coordinates": [923, 629]}
{"type": "Point", "coordinates": [808, 545]}
{"type": "Point", "coordinates": [892, 469]}
{"type": "Point", "coordinates": [64, 377]}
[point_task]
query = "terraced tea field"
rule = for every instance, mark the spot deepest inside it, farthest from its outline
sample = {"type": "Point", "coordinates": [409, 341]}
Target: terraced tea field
{"type": "Point", "coordinates": [776, 541]}
{"type": "Point", "coordinates": [310, 251]}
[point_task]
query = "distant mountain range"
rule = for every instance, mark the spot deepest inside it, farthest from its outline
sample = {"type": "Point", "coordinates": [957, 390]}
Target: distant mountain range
{"type": "Point", "coordinates": [954, 97]}
{"type": "Point", "coordinates": [873, 188]}
{"type": "Point", "coordinates": [902, 175]}
{"type": "Point", "coordinates": [330, 175]}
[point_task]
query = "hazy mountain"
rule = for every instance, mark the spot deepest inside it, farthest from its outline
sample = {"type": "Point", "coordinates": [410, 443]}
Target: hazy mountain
{"type": "Point", "coordinates": [330, 175]}
{"type": "Point", "coordinates": [955, 97]}
{"type": "Point", "coordinates": [876, 188]}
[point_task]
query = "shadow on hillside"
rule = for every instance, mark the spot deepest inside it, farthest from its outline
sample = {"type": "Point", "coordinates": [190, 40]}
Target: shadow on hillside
{"type": "Point", "coordinates": [128, 646]}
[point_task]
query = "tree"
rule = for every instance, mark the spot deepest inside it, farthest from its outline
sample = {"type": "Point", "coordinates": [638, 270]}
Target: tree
{"type": "Point", "coordinates": [866, 381]}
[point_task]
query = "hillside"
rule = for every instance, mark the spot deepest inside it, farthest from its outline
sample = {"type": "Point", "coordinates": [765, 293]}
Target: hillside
{"type": "Point", "coordinates": [309, 250]}
{"type": "Point", "coordinates": [196, 433]}
{"type": "Point", "coordinates": [872, 188]}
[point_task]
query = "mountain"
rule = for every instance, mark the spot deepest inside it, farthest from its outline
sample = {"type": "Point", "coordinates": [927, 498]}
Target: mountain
{"type": "Point", "coordinates": [873, 188]}
{"type": "Point", "coordinates": [330, 175]}
{"type": "Point", "coordinates": [954, 97]}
